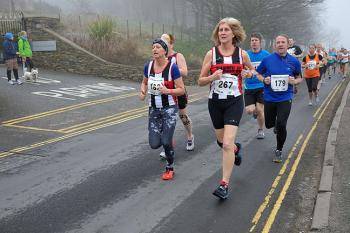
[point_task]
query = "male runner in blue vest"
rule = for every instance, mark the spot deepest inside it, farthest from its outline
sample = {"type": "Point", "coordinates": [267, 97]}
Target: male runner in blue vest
{"type": "Point", "coordinates": [254, 88]}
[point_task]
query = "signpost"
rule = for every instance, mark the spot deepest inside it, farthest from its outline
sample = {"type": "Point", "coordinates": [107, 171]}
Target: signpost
{"type": "Point", "coordinates": [43, 46]}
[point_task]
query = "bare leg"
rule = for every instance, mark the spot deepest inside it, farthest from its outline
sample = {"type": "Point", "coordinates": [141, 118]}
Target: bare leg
{"type": "Point", "coordinates": [186, 121]}
{"type": "Point", "coordinates": [261, 117]}
{"type": "Point", "coordinates": [227, 136]}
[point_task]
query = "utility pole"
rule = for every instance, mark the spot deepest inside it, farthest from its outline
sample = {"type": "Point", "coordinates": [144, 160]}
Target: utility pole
{"type": "Point", "coordinates": [12, 7]}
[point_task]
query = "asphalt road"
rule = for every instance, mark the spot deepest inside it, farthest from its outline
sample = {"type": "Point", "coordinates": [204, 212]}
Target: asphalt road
{"type": "Point", "coordinates": [74, 157]}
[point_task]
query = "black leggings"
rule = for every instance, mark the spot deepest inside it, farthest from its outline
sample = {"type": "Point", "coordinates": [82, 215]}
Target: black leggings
{"type": "Point", "coordinates": [29, 64]}
{"type": "Point", "coordinates": [161, 127]}
{"type": "Point", "coordinates": [276, 114]}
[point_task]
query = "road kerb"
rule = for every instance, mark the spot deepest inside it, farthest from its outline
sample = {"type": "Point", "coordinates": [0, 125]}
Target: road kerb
{"type": "Point", "coordinates": [321, 210]}
{"type": "Point", "coordinates": [321, 213]}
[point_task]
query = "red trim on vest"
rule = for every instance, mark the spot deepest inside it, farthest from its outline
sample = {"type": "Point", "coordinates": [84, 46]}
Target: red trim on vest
{"type": "Point", "coordinates": [152, 68]}
{"type": "Point", "coordinates": [234, 69]}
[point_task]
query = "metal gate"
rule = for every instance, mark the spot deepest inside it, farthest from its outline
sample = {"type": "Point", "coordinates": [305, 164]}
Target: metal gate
{"type": "Point", "coordinates": [10, 22]}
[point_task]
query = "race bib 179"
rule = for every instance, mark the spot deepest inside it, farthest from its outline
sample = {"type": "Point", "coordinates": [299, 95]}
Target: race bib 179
{"type": "Point", "coordinates": [279, 82]}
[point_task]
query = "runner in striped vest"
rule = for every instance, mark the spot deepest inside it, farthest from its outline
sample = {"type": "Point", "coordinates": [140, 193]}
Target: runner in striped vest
{"type": "Point", "coordinates": [180, 61]}
{"type": "Point", "coordinates": [162, 82]}
{"type": "Point", "coordinates": [224, 67]}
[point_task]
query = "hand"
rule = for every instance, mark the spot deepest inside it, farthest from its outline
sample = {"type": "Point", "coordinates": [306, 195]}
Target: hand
{"type": "Point", "coordinates": [142, 95]}
{"type": "Point", "coordinates": [23, 59]}
{"type": "Point", "coordinates": [217, 74]}
{"type": "Point", "coordinates": [164, 90]}
{"type": "Point", "coordinates": [245, 73]}
{"type": "Point", "coordinates": [267, 80]}
{"type": "Point", "coordinates": [291, 80]}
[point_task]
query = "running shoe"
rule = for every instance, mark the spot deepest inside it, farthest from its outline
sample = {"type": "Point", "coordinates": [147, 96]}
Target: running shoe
{"type": "Point", "coordinates": [162, 155]}
{"type": "Point", "coordinates": [260, 134]}
{"type": "Point", "coordinates": [168, 174]}
{"type": "Point", "coordinates": [221, 192]}
{"type": "Point", "coordinates": [278, 156]}
{"type": "Point", "coordinates": [317, 100]}
{"type": "Point", "coordinates": [190, 144]}
{"type": "Point", "coordinates": [238, 154]}
{"type": "Point", "coordinates": [11, 82]}
{"type": "Point", "coordinates": [19, 82]}
{"type": "Point", "coordinates": [310, 103]}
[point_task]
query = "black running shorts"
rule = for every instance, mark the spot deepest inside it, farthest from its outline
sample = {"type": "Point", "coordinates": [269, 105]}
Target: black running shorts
{"type": "Point", "coordinates": [312, 83]}
{"type": "Point", "coordinates": [226, 111]}
{"type": "Point", "coordinates": [182, 101]}
{"type": "Point", "coordinates": [253, 96]}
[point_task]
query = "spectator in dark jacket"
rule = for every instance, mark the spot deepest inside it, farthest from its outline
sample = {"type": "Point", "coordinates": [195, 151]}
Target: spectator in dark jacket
{"type": "Point", "coordinates": [10, 57]}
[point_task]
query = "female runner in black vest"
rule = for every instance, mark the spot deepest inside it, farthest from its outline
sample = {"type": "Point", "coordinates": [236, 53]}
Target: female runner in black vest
{"type": "Point", "coordinates": [163, 82]}
{"type": "Point", "coordinates": [223, 68]}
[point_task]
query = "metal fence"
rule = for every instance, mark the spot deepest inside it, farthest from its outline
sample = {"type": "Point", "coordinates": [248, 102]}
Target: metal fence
{"type": "Point", "coordinates": [128, 28]}
{"type": "Point", "coordinates": [10, 22]}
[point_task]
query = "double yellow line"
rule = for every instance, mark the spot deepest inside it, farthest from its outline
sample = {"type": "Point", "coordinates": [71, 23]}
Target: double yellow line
{"type": "Point", "coordinates": [275, 183]}
{"type": "Point", "coordinates": [65, 109]}
{"type": "Point", "coordinates": [83, 127]}
{"type": "Point", "coordinates": [330, 95]}
{"type": "Point", "coordinates": [105, 120]}
{"type": "Point", "coordinates": [279, 201]}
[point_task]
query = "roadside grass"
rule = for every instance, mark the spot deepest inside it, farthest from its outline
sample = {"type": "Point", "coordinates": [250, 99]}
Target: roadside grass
{"type": "Point", "coordinates": [105, 38]}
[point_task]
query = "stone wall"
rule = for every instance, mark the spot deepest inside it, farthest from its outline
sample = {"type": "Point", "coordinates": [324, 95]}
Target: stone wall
{"type": "Point", "coordinates": [69, 57]}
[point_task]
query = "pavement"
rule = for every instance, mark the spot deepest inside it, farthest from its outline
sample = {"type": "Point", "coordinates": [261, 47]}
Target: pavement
{"type": "Point", "coordinates": [332, 209]}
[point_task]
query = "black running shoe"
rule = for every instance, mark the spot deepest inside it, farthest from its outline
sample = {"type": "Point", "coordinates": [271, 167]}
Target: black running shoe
{"type": "Point", "coordinates": [238, 154]}
{"type": "Point", "coordinates": [221, 192]}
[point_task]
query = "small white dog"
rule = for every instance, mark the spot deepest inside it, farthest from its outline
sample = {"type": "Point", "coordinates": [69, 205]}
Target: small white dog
{"type": "Point", "coordinates": [33, 75]}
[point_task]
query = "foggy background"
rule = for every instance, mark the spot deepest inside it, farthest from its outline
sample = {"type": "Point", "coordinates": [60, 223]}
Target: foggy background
{"type": "Point", "coordinates": [307, 21]}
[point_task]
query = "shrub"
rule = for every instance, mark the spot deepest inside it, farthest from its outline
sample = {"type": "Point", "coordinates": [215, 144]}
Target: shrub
{"type": "Point", "coordinates": [101, 29]}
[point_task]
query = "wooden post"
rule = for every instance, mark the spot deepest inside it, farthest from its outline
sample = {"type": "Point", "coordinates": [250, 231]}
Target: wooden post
{"type": "Point", "coordinates": [152, 31]}
{"type": "Point", "coordinates": [80, 22]}
{"type": "Point", "coordinates": [140, 30]}
{"type": "Point", "coordinates": [180, 33]}
{"type": "Point", "coordinates": [127, 29]}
